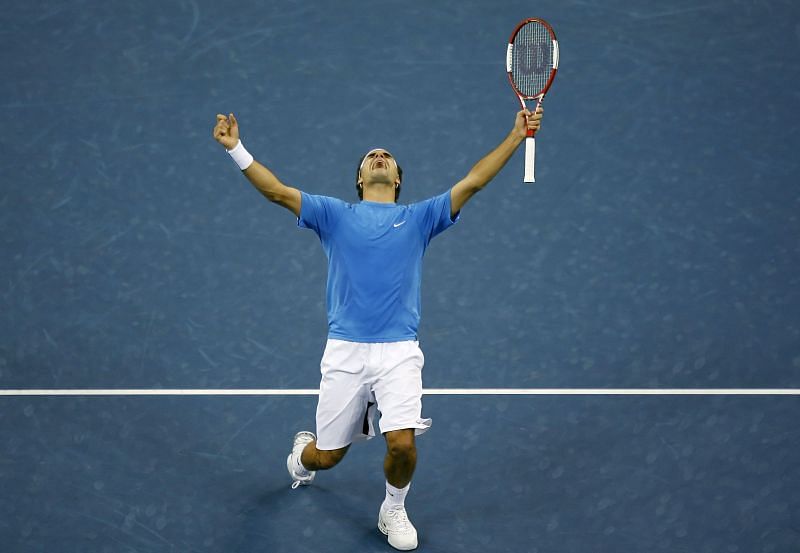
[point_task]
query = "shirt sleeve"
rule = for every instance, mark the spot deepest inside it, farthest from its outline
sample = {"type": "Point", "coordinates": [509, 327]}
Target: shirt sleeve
{"type": "Point", "coordinates": [319, 213]}
{"type": "Point", "coordinates": [435, 215]}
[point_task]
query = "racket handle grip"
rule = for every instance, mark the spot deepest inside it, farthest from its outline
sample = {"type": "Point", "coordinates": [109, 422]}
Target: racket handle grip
{"type": "Point", "coordinates": [530, 159]}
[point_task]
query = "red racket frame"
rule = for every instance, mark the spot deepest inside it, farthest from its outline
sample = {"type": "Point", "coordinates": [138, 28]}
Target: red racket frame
{"type": "Point", "coordinates": [540, 96]}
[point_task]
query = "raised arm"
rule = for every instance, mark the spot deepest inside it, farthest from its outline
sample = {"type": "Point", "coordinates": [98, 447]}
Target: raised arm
{"type": "Point", "coordinates": [226, 132]}
{"type": "Point", "coordinates": [485, 170]}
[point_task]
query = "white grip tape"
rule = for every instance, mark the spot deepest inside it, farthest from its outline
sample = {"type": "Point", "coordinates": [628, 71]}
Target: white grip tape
{"type": "Point", "coordinates": [530, 158]}
{"type": "Point", "coordinates": [241, 156]}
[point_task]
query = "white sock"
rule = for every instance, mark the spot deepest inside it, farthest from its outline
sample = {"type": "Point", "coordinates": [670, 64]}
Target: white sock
{"type": "Point", "coordinates": [395, 497]}
{"type": "Point", "coordinates": [298, 466]}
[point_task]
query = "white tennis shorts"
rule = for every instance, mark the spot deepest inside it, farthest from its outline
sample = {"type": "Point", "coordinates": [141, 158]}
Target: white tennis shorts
{"type": "Point", "coordinates": [357, 379]}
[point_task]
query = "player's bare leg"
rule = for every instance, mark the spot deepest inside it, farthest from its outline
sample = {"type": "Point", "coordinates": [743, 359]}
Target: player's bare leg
{"type": "Point", "coordinates": [401, 457]}
{"type": "Point", "coordinates": [398, 466]}
{"type": "Point", "coordinates": [321, 459]}
{"type": "Point", "coordinates": [305, 459]}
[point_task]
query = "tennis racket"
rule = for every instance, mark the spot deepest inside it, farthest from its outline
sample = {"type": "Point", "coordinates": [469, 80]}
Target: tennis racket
{"type": "Point", "coordinates": [532, 63]}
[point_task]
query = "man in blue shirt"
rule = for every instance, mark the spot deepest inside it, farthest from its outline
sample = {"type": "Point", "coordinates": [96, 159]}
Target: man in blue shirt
{"type": "Point", "coordinates": [372, 357]}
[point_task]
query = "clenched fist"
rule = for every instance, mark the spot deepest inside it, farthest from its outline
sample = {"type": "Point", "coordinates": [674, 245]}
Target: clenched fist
{"type": "Point", "coordinates": [528, 121]}
{"type": "Point", "coordinates": [226, 132]}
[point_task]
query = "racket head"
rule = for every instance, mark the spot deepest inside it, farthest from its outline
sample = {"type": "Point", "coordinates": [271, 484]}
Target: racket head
{"type": "Point", "coordinates": [532, 59]}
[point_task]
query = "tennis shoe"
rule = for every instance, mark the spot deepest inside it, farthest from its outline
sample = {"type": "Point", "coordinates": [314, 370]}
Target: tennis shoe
{"type": "Point", "coordinates": [395, 524]}
{"type": "Point", "coordinates": [300, 476]}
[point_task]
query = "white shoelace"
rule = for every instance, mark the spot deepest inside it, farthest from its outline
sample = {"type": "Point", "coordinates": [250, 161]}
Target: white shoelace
{"type": "Point", "coordinates": [400, 522]}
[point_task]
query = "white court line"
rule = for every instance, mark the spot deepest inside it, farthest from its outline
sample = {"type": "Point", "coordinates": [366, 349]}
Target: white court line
{"type": "Point", "coordinates": [429, 392]}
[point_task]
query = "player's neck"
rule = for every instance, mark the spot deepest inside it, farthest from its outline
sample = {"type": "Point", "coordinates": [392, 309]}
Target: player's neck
{"type": "Point", "coordinates": [379, 192]}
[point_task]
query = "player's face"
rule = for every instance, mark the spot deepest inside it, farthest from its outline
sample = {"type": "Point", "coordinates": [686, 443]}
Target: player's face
{"type": "Point", "coordinates": [379, 166]}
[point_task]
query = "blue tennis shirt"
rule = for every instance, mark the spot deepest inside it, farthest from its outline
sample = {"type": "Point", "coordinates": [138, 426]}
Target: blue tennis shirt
{"type": "Point", "coordinates": [374, 255]}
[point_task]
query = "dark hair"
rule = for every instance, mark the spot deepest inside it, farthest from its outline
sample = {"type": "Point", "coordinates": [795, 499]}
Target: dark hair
{"type": "Point", "coordinates": [360, 190]}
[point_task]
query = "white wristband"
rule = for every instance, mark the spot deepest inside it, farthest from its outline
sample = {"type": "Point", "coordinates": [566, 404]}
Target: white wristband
{"type": "Point", "coordinates": [241, 156]}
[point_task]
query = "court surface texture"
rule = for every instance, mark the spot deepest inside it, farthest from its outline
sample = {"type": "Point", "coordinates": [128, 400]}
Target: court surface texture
{"type": "Point", "coordinates": [612, 353]}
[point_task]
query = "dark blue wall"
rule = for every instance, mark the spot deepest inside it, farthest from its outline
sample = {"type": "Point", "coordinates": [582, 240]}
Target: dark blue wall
{"type": "Point", "coordinates": [659, 246]}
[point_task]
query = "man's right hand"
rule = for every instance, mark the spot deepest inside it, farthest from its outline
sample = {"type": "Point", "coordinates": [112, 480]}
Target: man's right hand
{"type": "Point", "coordinates": [226, 132]}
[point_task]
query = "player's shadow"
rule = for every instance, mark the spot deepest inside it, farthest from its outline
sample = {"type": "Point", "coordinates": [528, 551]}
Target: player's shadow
{"type": "Point", "coordinates": [312, 518]}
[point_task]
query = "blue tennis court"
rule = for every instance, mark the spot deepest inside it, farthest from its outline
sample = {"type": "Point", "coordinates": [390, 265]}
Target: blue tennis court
{"type": "Point", "coordinates": [658, 250]}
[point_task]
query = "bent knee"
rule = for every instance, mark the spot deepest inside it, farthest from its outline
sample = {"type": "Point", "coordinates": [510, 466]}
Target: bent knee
{"type": "Point", "coordinates": [401, 443]}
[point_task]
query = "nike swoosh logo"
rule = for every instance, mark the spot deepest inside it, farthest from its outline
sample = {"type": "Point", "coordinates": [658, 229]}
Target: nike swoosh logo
{"type": "Point", "coordinates": [399, 224]}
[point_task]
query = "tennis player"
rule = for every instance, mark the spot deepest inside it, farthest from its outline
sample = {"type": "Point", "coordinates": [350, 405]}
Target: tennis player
{"type": "Point", "coordinates": [372, 360]}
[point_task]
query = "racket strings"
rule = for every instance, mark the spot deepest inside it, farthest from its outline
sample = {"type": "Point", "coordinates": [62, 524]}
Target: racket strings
{"type": "Point", "coordinates": [532, 59]}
